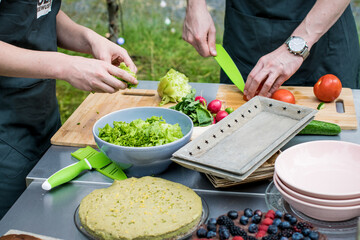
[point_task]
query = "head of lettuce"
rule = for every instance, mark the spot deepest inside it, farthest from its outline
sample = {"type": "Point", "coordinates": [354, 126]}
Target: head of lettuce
{"type": "Point", "coordinates": [173, 87]}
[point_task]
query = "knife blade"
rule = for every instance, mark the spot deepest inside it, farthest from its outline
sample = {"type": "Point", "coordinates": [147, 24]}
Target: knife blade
{"type": "Point", "coordinates": [229, 67]}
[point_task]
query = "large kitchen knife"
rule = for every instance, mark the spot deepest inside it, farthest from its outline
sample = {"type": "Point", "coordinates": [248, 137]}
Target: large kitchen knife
{"type": "Point", "coordinates": [229, 67]}
{"type": "Point", "coordinates": [89, 159]}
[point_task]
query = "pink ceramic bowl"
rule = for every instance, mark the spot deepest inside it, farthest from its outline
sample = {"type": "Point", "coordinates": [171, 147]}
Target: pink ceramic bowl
{"type": "Point", "coordinates": [324, 213]}
{"type": "Point", "coordinates": [319, 201]}
{"type": "Point", "coordinates": [321, 169]}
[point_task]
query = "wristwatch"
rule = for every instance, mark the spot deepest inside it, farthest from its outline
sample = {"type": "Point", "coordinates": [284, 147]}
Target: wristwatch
{"type": "Point", "coordinates": [297, 46]}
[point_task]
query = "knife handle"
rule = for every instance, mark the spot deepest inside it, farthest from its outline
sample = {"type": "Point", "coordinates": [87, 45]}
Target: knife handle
{"type": "Point", "coordinates": [66, 174]}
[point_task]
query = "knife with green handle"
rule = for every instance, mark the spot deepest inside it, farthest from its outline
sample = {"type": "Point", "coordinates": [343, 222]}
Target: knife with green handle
{"type": "Point", "coordinates": [89, 159]}
{"type": "Point", "coordinates": [229, 67]}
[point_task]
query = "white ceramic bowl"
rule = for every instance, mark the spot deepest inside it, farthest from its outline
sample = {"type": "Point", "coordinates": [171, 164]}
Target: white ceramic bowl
{"type": "Point", "coordinates": [142, 161]}
{"type": "Point", "coordinates": [324, 213]}
{"type": "Point", "coordinates": [321, 169]}
{"type": "Point", "coordinates": [319, 201]}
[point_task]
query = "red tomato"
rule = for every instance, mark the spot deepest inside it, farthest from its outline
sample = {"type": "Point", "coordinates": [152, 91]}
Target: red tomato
{"type": "Point", "coordinates": [284, 95]}
{"type": "Point", "coordinates": [327, 88]}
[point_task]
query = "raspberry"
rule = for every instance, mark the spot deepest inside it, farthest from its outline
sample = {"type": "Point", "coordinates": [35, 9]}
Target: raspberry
{"type": "Point", "coordinates": [270, 214]}
{"type": "Point", "coordinates": [260, 234]}
{"type": "Point", "coordinates": [237, 238]}
{"type": "Point", "coordinates": [263, 227]}
{"type": "Point", "coordinates": [267, 221]}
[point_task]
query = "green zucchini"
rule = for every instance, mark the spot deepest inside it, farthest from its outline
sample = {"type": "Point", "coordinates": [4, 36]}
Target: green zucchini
{"type": "Point", "coordinates": [316, 127]}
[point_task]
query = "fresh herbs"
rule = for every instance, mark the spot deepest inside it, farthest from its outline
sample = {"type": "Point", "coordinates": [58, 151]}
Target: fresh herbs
{"type": "Point", "coordinates": [195, 110]}
{"type": "Point", "coordinates": [153, 131]}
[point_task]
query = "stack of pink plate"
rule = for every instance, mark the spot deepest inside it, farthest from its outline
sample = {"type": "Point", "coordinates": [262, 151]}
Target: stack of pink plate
{"type": "Point", "coordinates": [321, 179]}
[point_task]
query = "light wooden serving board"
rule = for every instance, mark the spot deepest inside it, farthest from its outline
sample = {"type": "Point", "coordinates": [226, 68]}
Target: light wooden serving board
{"type": "Point", "coordinates": [77, 130]}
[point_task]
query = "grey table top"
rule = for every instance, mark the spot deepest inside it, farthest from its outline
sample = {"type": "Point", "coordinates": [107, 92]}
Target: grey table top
{"type": "Point", "coordinates": [52, 213]}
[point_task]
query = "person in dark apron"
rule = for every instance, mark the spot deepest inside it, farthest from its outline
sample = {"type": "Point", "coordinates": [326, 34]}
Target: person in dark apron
{"type": "Point", "coordinates": [254, 29]}
{"type": "Point", "coordinates": [29, 113]}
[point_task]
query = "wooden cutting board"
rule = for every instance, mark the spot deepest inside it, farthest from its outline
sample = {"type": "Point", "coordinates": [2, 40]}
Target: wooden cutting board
{"type": "Point", "coordinates": [77, 130]}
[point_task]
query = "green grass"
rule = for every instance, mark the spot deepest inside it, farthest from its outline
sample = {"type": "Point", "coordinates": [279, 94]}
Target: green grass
{"type": "Point", "coordinates": [152, 45]}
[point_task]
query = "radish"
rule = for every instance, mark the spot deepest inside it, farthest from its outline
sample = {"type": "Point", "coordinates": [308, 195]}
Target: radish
{"type": "Point", "coordinates": [201, 100]}
{"type": "Point", "coordinates": [214, 106]}
{"type": "Point", "coordinates": [220, 115]}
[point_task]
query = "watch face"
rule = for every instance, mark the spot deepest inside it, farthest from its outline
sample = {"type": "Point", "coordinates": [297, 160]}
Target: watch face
{"type": "Point", "coordinates": [297, 44]}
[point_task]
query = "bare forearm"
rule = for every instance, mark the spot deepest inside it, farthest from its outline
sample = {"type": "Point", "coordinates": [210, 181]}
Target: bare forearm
{"type": "Point", "coordinates": [20, 62]}
{"type": "Point", "coordinates": [320, 19]}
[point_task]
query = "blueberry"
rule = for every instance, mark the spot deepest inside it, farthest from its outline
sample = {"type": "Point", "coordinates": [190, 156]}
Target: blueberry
{"type": "Point", "coordinates": [284, 225]}
{"type": "Point", "coordinates": [253, 228]}
{"type": "Point", "coordinates": [306, 238]}
{"type": "Point", "coordinates": [276, 222]}
{"type": "Point", "coordinates": [244, 220]}
{"type": "Point", "coordinates": [248, 212]}
{"type": "Point", "coordinates": [222, 228]}
{"type": "Point", "coordinates": [284, 238]}
{"type": "Point", "coordinates": [256, 219]}
{"type": "Point", "coordinates": [210, 234]}
{"type": "Point", "coordinates": [287, 216]}
{"type": "Point", "coordinates": [258, 212]}
{"type": "Point", "coordinates": [233, 214]}
{"type": "Point", "coordinates": [272, 229]}
{"type": "Point", "coordinates": [278, 214]}
{"type": "Point", "coordinates": [211, 227]}
{"type": "Point", "coordinates": [224, 233]}
{"type": "Point", "coordinates": [297, 236]}
{"type": "Point", "coordinates": [201, 233]}
{"type": "Point", "coordinates": [306, 231]}
{"type": "Point", "coordinates": [212, 221]}
{"type": "Point", "coordinates": [293, 220]}
{"type": "Point", "coordinates": [314, 235]}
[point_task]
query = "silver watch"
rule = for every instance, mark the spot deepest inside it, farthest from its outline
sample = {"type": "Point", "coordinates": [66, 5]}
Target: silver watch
{"type": "Point", "coordinates": [297, 46]}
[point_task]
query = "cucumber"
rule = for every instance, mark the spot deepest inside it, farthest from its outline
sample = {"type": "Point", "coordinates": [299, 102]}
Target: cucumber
{"type": "Point", "coordinates": [316, 127]}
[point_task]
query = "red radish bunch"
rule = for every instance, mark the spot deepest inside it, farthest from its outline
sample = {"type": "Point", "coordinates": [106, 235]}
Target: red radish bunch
{"type": "Point", "coordinates": [201, 100]}
{"type": "Point", "coordinates": [220, 115]}
{"type": "Point", "coordinates": [215, 108]}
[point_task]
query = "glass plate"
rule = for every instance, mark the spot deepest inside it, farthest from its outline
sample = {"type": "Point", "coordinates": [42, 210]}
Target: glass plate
{"type": "Point", "coordinates": [204, 216]}
{"type": "Point", "coordinates": [347, 229]}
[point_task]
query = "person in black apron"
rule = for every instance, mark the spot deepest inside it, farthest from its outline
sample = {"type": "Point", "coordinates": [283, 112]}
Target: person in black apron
{"type": "Point", "coordinates": [254, 29]}
{"type": "Point", "coordinates": [29, 113]}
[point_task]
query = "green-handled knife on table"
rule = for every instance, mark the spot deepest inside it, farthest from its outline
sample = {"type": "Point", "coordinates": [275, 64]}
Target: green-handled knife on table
{"type": "Point", "coordinates": [229, 67]}
{"type": "Point", "coordinates": [88, 158]}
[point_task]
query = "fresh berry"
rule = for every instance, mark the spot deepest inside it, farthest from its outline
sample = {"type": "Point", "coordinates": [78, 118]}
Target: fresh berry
{"type": "Point", "coordinates": [258, 212]}
{"type": "Point", "coordinates": [276, 222]}
{"type": "Point", "coordinates": [244, 220]}
{"type": "Point", "coordinates": [224, 233]}
{"type": "Point", "coordinates": [201, 233]}
{"type": "Point", "coordinates": [251, 238]}
{"type": "Point", "coordinates": [296, 229]}
{"type": "Point", "coordinates": [253, 228]}
{"type": "Point", "coordinates": [237, 231]}
{"type": "Point", "coordinates": [238, 238]}
{"type": "Point", "coordinates": [260, 234]}
{"type": "Point", "coordinates": [248, 212]}
{"type": "Point", "coordinates": [225, 220]}
{"type": "Point", "coordinates": [278, 214]}
{"type": "Point", "coordinates": [256, 219]}
{"type": "Point", "coordinates": [293, 220]}
{"type": "Point", "coordinates": [284, 225]}
{"type": "Point", "coordinates": [286, 232]}
{"type": "Point", "coordinates": [211, 227]}
{"type": "Point", "coordinates": [284, 238]}
{"type": "Point", "coordinates": [212, 221]}
{"type": "Point", "coordinates": [270, 214]}
{"type": "Point", "coordinates": [263, 227]}
{"type": "Point", "coordinates": [267, 221]}
{"type": "Point", "coordinates": [297, 236]}
{"type": "Point", "coordinates": [287, 216]}
{"type": "Point", "coordinates": [314, 235]}
{"type": "Point", "coordinates": [302, 225]}
{"type": "Point", "coordinates": [233, 214]}
{"type": "Point", "coordinates": [305, 231]}
{"type": "Point", "coordinates": [306, 238]}
{"type": "Point", "coordinates": [271, 237]}
{"type": "Point", "coordinates": [272, 229]}
{"type": "Point", "coordinates": [210, 234]}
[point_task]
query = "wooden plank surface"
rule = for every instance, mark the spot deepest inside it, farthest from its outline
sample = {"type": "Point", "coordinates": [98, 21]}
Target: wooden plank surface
{"type": "Point", "coordinates": [77, 130]}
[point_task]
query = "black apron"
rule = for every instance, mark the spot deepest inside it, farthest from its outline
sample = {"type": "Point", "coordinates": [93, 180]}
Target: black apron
{"type": "Point", "coordinates": [29, 113]}
{"type": "Point", "coordinates": [255, 28]}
